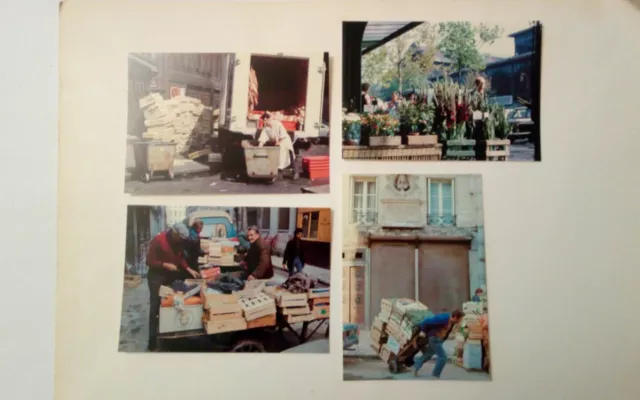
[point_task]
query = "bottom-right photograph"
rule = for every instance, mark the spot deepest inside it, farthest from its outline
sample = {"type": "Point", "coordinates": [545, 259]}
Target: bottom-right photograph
{"type": "Point", "coordinates": [414, 278]}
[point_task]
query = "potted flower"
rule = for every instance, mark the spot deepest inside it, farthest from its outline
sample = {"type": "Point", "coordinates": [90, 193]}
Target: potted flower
{"type": "Point", "coordinates": [351, 128]}
{"type": "Point", "coordinates": [382, 129]}
{"type": "Point", "coordinates": [453, 119]}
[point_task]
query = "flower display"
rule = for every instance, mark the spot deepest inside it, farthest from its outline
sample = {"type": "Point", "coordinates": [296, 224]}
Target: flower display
{"type": "Point", "coordinates": [351, 126]}
{"type": "Point", "coordinates": [381, 123]}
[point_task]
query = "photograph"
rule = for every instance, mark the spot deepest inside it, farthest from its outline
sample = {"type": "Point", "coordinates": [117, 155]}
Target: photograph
{"type": "Point", "coordinates": [441, 90]}
{"type": "Point", "coordinates": [226, 279]}
{"type": "Point", "coordinates": [227, 123]}
{"type": "Point", "coordinates": [414, 278]}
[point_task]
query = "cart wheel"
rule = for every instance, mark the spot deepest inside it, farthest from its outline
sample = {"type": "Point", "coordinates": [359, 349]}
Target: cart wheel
{"type": "Point", "coordinates": [393, 366]}
{"type": "Point", "coordinates": [146, 177]}
{"type": "Point", "coordinates": [170, 175]}
{"type": "Point", "coordinates": [248, 346]}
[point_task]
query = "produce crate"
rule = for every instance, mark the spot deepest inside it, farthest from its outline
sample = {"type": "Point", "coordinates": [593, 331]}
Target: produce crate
{"type": "Point", "coordinates": [256, 307]}
{"type": "Point", "coordinates": [318, 292]}
{"type": "Point", "coordinates": [422, 140]}
{"type": "Point", "coordinates": [461, 150]}
{"type": "Point", "coordinates": [401, 153]}
{"type": "Point", "coordinates": [316, 167]}
{"type": "Point", "coordinates": [498, 150]}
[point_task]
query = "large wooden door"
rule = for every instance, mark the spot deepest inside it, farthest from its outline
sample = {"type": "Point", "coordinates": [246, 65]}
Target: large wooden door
{"type": "Point", "coordinates": [392, 272]}
{"type": "Point", "coordinates": [443, 275]}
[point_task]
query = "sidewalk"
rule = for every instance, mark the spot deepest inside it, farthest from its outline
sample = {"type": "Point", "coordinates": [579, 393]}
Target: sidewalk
{"type": "Point", "coordinates": [364, 349]}
{"type": "Point", "coordinates": [320, 274]}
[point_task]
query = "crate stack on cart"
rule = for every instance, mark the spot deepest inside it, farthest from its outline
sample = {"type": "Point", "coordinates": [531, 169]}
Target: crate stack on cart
{"type": "Point", "coordinates": [302, 307]}
{"type": "Point", "coordinates": [394, 330]}
{"type": "Point", "coordinates": [244, 309]}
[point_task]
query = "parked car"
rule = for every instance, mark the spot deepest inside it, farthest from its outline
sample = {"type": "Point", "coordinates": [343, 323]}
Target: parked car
{"type": "Point", "coordinates": [520, 122]}
{"type": "Point", "coordinates": [350, 335]}
{"type": "Point", "coordinates": [216, 224]}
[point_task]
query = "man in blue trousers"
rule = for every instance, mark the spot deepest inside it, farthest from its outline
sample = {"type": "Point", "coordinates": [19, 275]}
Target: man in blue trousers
{"type": "Point", "coordinates": [437, 328]}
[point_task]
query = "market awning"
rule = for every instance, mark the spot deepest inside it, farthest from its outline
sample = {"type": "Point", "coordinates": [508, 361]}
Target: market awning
{"type": "Point", "coordinates": [143, 62]}
{"type": "Point", "coordinates": [378, 33]}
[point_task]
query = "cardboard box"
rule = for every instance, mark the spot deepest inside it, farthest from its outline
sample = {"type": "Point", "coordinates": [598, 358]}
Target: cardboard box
{"type": "Point", "coordinates": [393, 345]}
{"type": "Point", "coordinates": [386, 306]}
{"type": "Point", "coordinates": [384, 317]}
{"type": "Point", "coordinates": [472, 355]}
{"type": "Point", "coordinates": [217, 299]}
{"type": "Point", "coordinates": [229, 325]}
{"type": "Point", "coordinates": [174, 320]}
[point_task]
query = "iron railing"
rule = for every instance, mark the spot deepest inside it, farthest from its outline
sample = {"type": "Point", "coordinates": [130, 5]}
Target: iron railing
{"type": "Point", "coordinates": [441, 220]}
{"type": "Point", "coordinates": [364, 217]}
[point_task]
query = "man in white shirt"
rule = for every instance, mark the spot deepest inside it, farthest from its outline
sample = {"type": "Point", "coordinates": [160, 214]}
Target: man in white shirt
{"type": "Point", "coordinates": [275, 134]}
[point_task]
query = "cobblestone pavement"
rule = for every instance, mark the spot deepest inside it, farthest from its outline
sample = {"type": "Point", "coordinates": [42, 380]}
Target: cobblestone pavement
{"type": "Point", "coordinates": [358, 369]}
{"type": "Point", "coordinates": [205, 183]}
{"type": "Point", "coordinates": [521, 150]}
{"type": "Point", "coordinates": [134, 326]}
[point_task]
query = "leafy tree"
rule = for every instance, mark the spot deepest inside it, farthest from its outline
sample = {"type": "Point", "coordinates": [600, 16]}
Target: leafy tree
{"type": "Point", "coordinates": [406, 60]}
{"type": "Point", "coordinates": [460, 42]}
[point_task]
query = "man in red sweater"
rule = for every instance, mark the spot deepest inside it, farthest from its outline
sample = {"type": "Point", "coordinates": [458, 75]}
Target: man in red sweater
{"type": "Point", "coordinates": [166, 261]}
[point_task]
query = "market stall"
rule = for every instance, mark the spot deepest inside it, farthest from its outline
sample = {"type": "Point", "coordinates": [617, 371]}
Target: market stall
{"type": "Point", "coordinates": [236, 313]}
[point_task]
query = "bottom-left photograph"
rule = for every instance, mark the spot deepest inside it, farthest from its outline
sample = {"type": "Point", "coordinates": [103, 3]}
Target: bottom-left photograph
{"type": "Point", "coordinates": [226, 279]}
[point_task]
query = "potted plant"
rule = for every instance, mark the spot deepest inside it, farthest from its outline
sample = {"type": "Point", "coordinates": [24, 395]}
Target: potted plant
{"type": "Point", "coordinates": [351, 128]}
{"type": "Point", "coordinates": [382, 129]}
{"type": "Point", "coordinates": [453, 119]}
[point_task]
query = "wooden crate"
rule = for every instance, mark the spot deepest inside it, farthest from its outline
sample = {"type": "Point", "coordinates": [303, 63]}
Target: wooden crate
{"type": "Point", "coordinates": [318, 292]}
{"type": "Point", "coordinates": [321, 312]}
{"type": "Point", "coordinates": [230, 325]}
{"type": "Point", "coordinates": [422, 140]}
{"type": "Point", "coordinates": [401, 153]}
{"type": "Point", "coordinates": [461, 150]}
{"type": "Point", "coordinates": [251, 289]}
{"type": "Point", "coordinates": [286, 299]}
{"type": "Point", "coordinates": [267, 320]}
{"type": "Point", "coordinates": [320, 301]}
{"type": "Point", "coordinates": [292, 319]}
{"type": "Point", "coordinates": [385, 141]}
{"type": "Point", "coordinates": [256, 307]}
{"type": "Point", "coordinates": [222, 317]}
{"type": "Point", "coordinates": [217, 299]}
{"type": "Point", "coordinates": [378, 324]}
{"type": "Point", "coordinates": [132, 281]}
{"type": "Point", "coordinates": [295, 310]}
{"type": "Point", "coordinates": [498, 150]}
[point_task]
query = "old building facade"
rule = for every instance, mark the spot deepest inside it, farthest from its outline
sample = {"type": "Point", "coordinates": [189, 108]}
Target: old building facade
{"type": "Point", "coordinates": [414, 236]}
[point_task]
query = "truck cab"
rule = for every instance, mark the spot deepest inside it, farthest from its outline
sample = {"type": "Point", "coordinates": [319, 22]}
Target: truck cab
{"type": "Point", "coordinates": [217, 224]}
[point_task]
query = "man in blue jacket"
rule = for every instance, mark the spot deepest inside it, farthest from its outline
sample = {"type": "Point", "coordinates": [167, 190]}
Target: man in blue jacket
{"type": "Point", "coordinates": [437, 328]}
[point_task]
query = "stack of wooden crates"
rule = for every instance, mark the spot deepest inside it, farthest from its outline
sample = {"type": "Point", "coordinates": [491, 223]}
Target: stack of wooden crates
{"type": "Point", "coordinates": [302, 307]}
{"type": "Point", "coordinates": [391, 331]}
{"type": "Point", "coordinates": [246, 309]}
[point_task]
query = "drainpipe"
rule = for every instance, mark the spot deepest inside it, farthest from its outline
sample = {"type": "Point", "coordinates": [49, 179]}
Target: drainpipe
{"type": "Point", "coordinates": [416, 270]}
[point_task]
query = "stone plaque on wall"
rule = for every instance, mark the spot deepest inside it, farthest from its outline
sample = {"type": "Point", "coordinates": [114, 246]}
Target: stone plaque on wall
{"type": "Point", "coordinates": [402, 202]}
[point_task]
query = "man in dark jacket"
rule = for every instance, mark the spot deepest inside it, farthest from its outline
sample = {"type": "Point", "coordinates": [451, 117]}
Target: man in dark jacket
{"type": "Point", "coordinates": [166, 261]}
{"type": "Point", "coordinates": [293, 257]}
{"type": "Point", "coordinates": [437, 328]}
{"type": "Point", "coordinates": [192, 248]}
{"type": "Point", "coordinates": [258, 258]}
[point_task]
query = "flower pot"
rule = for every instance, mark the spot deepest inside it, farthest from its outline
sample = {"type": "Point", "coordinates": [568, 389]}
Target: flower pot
{"type": "Point", "coordinates": [422, 140]}
{"type": "Point", "coordinates": [353, 134]}
{"type": "Point", "coordinates": [385, 141]}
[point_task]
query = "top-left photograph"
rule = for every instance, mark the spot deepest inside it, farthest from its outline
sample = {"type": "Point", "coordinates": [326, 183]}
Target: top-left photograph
{"type": "Point", "coordinates": [227, 123]}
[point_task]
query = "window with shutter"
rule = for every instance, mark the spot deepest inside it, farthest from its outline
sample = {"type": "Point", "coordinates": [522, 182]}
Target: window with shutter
{"type": "Point", "coordinates": [441, 209]}
{"type": "Point", "coordinates": [364, 208]}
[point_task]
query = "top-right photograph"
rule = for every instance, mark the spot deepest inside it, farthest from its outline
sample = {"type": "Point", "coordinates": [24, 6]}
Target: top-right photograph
{"type": "Point", "coordinates": [441, 90]}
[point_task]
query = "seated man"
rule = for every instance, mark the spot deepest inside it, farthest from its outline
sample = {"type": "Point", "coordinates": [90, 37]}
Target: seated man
{"type": "Point", "coordinates": [258, 258]}
{"type": "Point", "coordinates": [275, 134]}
